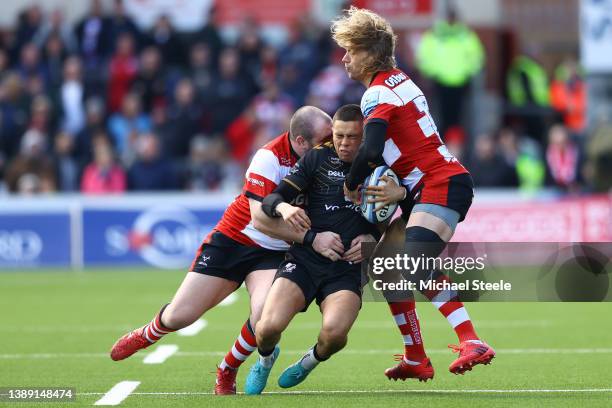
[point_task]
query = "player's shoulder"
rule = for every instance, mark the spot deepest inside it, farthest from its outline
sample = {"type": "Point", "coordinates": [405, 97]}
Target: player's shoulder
{"type": "Point", "coordinates": [391, 87]}
{"type": "Point", "coordinates": [278, 150]}
{"type": "Point", "coordinates": [319, 152]}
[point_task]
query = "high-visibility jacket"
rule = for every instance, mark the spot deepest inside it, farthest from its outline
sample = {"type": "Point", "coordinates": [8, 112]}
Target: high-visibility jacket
{"type": "Point", "coordinates": [568, 96]}
{"type": "Point", "coordinates": [450, 54]}
{"type": "Point", "coordinates": [537, 82]}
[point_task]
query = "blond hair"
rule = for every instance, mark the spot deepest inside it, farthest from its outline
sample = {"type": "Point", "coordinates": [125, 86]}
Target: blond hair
{"type": "Point", "coordinates": [362, 29]}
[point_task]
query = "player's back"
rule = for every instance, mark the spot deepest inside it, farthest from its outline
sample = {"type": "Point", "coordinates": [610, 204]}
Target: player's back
{"type": "Point", "coordinates": [413, 147]}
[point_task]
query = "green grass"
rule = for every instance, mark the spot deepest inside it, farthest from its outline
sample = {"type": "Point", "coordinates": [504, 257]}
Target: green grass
{"type": "Point", "coordinates": [70, 313]}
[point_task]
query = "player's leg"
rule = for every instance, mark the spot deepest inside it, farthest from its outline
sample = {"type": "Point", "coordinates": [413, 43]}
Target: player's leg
{"type": "Point", "coordinates": [209, 281]}
{"type": "Point", "coordinates": [258, 284]}
{"type": "Point", "coordinates": [284, 300]}
{"type": "Point", "coordinates": [339, 310]}
{"type": "Point", "coordinates": [429, 228]}
{"type": "Point", "coordinates": [414, 362]}
{"type": "Point", "coordinates": [197, 294]}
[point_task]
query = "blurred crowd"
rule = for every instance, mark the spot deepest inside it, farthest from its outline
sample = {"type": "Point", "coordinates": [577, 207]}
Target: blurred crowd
{"type": "Point", "coordinates": [104, 107]}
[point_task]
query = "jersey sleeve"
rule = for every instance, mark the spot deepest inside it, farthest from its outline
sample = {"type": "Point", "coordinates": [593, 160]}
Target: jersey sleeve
{"type": "Point", "coordinates": [379, 103]}
{"type": "Point", "coordinates": [262, 176]}
{"type": "Point", "coordinates": [301, 175]}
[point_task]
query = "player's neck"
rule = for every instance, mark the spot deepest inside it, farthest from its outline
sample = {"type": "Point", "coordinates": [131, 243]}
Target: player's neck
{"type": "Point", "coordinates": [367, 79]}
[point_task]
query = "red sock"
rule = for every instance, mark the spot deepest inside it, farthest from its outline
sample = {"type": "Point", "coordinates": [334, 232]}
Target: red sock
{"type": "Point", "coordinates": [155, 330]}
{"type": "Point", "coordinates": [452, 309]}
{"type": "Point", "coordinates": [407, 321]}
{"type": "Point", "coordinates": [244, 345]}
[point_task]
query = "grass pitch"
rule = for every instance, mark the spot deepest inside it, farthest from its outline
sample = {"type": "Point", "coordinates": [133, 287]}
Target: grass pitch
{"type": "Point", "coordinates": [57, 328]}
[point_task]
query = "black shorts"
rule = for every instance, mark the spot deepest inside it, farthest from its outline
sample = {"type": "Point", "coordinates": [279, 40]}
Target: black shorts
{"type": "Point", "coordinates": [457, 194]}
{"type": "Point", "coordinates": [225, 258]}
{"type": "Point", "coordinates": [317, 281]}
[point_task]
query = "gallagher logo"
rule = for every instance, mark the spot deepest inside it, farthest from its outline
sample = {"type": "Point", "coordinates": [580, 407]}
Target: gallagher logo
{"type": "Point", "coordinates": [165, 237]}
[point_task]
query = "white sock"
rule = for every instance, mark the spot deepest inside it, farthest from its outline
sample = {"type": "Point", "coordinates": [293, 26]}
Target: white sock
{"type": "Point", "coordinates": [309, 361]}
{"type": "Point", "coordinates": [267, 361]}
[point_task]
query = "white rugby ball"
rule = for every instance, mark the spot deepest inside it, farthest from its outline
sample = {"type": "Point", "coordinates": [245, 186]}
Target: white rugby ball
{"type": "Point", "coordinates": [367, 209]}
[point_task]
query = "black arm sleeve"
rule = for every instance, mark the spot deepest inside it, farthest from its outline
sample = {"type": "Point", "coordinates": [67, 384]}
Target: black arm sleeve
{"type": "Point", "coordinates": [283, 193]}
{"type": "Point", "coordinates": [370, 153]}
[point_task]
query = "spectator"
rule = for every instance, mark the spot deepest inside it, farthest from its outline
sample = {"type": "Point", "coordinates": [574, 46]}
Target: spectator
{"type": "Point", "coordinates": [184, 118]}
{"type": "Point", "coordinates": [201, 71]}
{"type": "Point", "coordinates": [104, 175]}
{"type": "Point", "coordinates": [42, 118]}
{"type": "Point", "coordinates": [28, 25]}
{"type": "Point", "coordinates": [31, 171]}
{"type": "Point", "coordinates": [14, 113]}
{"type": "Point", "coordinates": [151, 172]}
{"type": "Point", "coordinates": [66, 166]}
{"type": "Point", "coordinates": [568, 96]}
{"type": "Point", "coordinates": [460, 48]}
{"type": "Point", "coordinates": [30, 64]}
{"type": "Point", "coordinates": [488, 168]}
{"type": "Point", "coordinates": [72, 97]}
{"type": "Point", "coordinates": [93, 36]}
{"type": "Point", "coordinates": [120, 23]}
{"type": "Point", "coordinates": [208, 167]}
{"type": "Point", "coordinates": [94, 127]}
{"type": "Point", "coordinates": [562, 159]}
{"type": "Point", "coordinates": [56, 26]}
{"type": "Point", "coordinates": [299, 62]}
{"type": "Point", "coordinates": [123, 68]}
{"type": "Point", "coordinates": [231, 92]}
{"type": "Point", "coordinates": [125, 126]}
{"type": "Point", "coordinates": [327, 88]}
{"type": "Point", "coordinates": [54, 57]}
{"type": "Point", "coordinates": [209, 35]}
{"type": "Point", "coordinates": [272, 110]}
{"type": "Point", "coordinates": [249, 47]}
{"type": "Point", "coordinates": [166, 40]}
{"type": "Point", "coordinates": [150, 83]}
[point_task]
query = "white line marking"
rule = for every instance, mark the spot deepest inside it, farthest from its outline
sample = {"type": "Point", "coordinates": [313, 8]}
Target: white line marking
{"type": "Point", "coordinates": [193, 328]}
{"type": "Point", "coordinates": [161, 354]}
{"type": "Point", "coordinates": [118, 393]}
{"type": "Point", "coordinates": [42, 356]}
{"type": "Point", "coordinates": [403, 391]}
{"type": "Point", "coordinates": [229, 300]}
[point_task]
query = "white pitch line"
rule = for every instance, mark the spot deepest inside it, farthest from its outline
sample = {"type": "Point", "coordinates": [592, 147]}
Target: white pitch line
{"type": "Point", "coordinates": [193, 328]}
{"type": "Point", "coordinates": [404, 391]}
{"type": "Point", "coordinates": [42, 356]}
{"type": "Point", "coordinates": [118, 393]}
{"type": "Point", "coordinates": [229, 300]}
{"type": "Point", "coordinates": [161, 354]}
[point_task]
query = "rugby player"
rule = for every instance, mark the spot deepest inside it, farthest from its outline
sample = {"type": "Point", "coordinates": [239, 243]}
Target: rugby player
{"type": "Point", "coordinates": [400, 131]}
{"type": "Point", "coordinates": [235, 251]}
{"type": "Point", "coordinates": [333, 281]}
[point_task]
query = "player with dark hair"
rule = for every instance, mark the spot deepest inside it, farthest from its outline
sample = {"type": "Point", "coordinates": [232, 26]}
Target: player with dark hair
{"type": "Point", "coordinates": [235, 252]}
{"type": "Point", "coordinates": [400, 132]}
{"type": "Point", "coordinates": [333, 280]}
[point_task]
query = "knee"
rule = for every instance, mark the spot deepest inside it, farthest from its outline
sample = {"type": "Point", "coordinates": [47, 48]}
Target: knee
{"type": "Point", "coordinates": [179, 317]}
{"type": "Point", "coordinates": [256, 310]}
{"type": "Point", "coordinates": [267, 329]}
{"type": "Point", "coordinates": [333, 338]}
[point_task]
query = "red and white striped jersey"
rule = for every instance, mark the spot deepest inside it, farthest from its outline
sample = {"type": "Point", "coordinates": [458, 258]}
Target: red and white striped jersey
{"type": "Point", "coordinates": [413, 147]}
{"type": "Point", "coordinates": [268, 167]}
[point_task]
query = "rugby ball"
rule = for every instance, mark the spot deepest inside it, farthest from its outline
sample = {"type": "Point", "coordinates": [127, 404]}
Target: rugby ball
{"type": "Point", "coordinates": [367, 209]}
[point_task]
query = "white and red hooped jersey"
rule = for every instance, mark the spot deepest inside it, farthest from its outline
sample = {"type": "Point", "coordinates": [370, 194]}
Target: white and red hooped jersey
{"type": "Point", "coordinates": [268, 167]}
{"type": "Point", "coordinates": [413, 147]}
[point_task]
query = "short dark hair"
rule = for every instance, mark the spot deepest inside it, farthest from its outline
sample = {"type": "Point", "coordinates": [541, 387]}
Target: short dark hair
{"type": "Point", "coordinates": [349, 113]}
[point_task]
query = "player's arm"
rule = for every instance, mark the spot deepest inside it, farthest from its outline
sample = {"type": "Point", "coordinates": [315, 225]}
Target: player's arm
{"type": "Point", "coordinates": [273, 227]}
{"type": "Point", "coordinates": [368, 158]}
{"type": "Point", "coordinates": [276, 205]}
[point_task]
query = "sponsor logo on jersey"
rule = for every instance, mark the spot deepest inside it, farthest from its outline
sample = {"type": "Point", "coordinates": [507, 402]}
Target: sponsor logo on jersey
{"type": "Point", "coordinates": [255, 182]}
{"type": "Point", "coordinates": [334, 160]}
{"type": "Point", "coordinates": [335, 173]}
{"type": "Point", "coordinates": [290, 267]}
{"type": "Point", "coordinates": [370, 102]}
{"type": "Point", "coordinates": [395, 80]}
